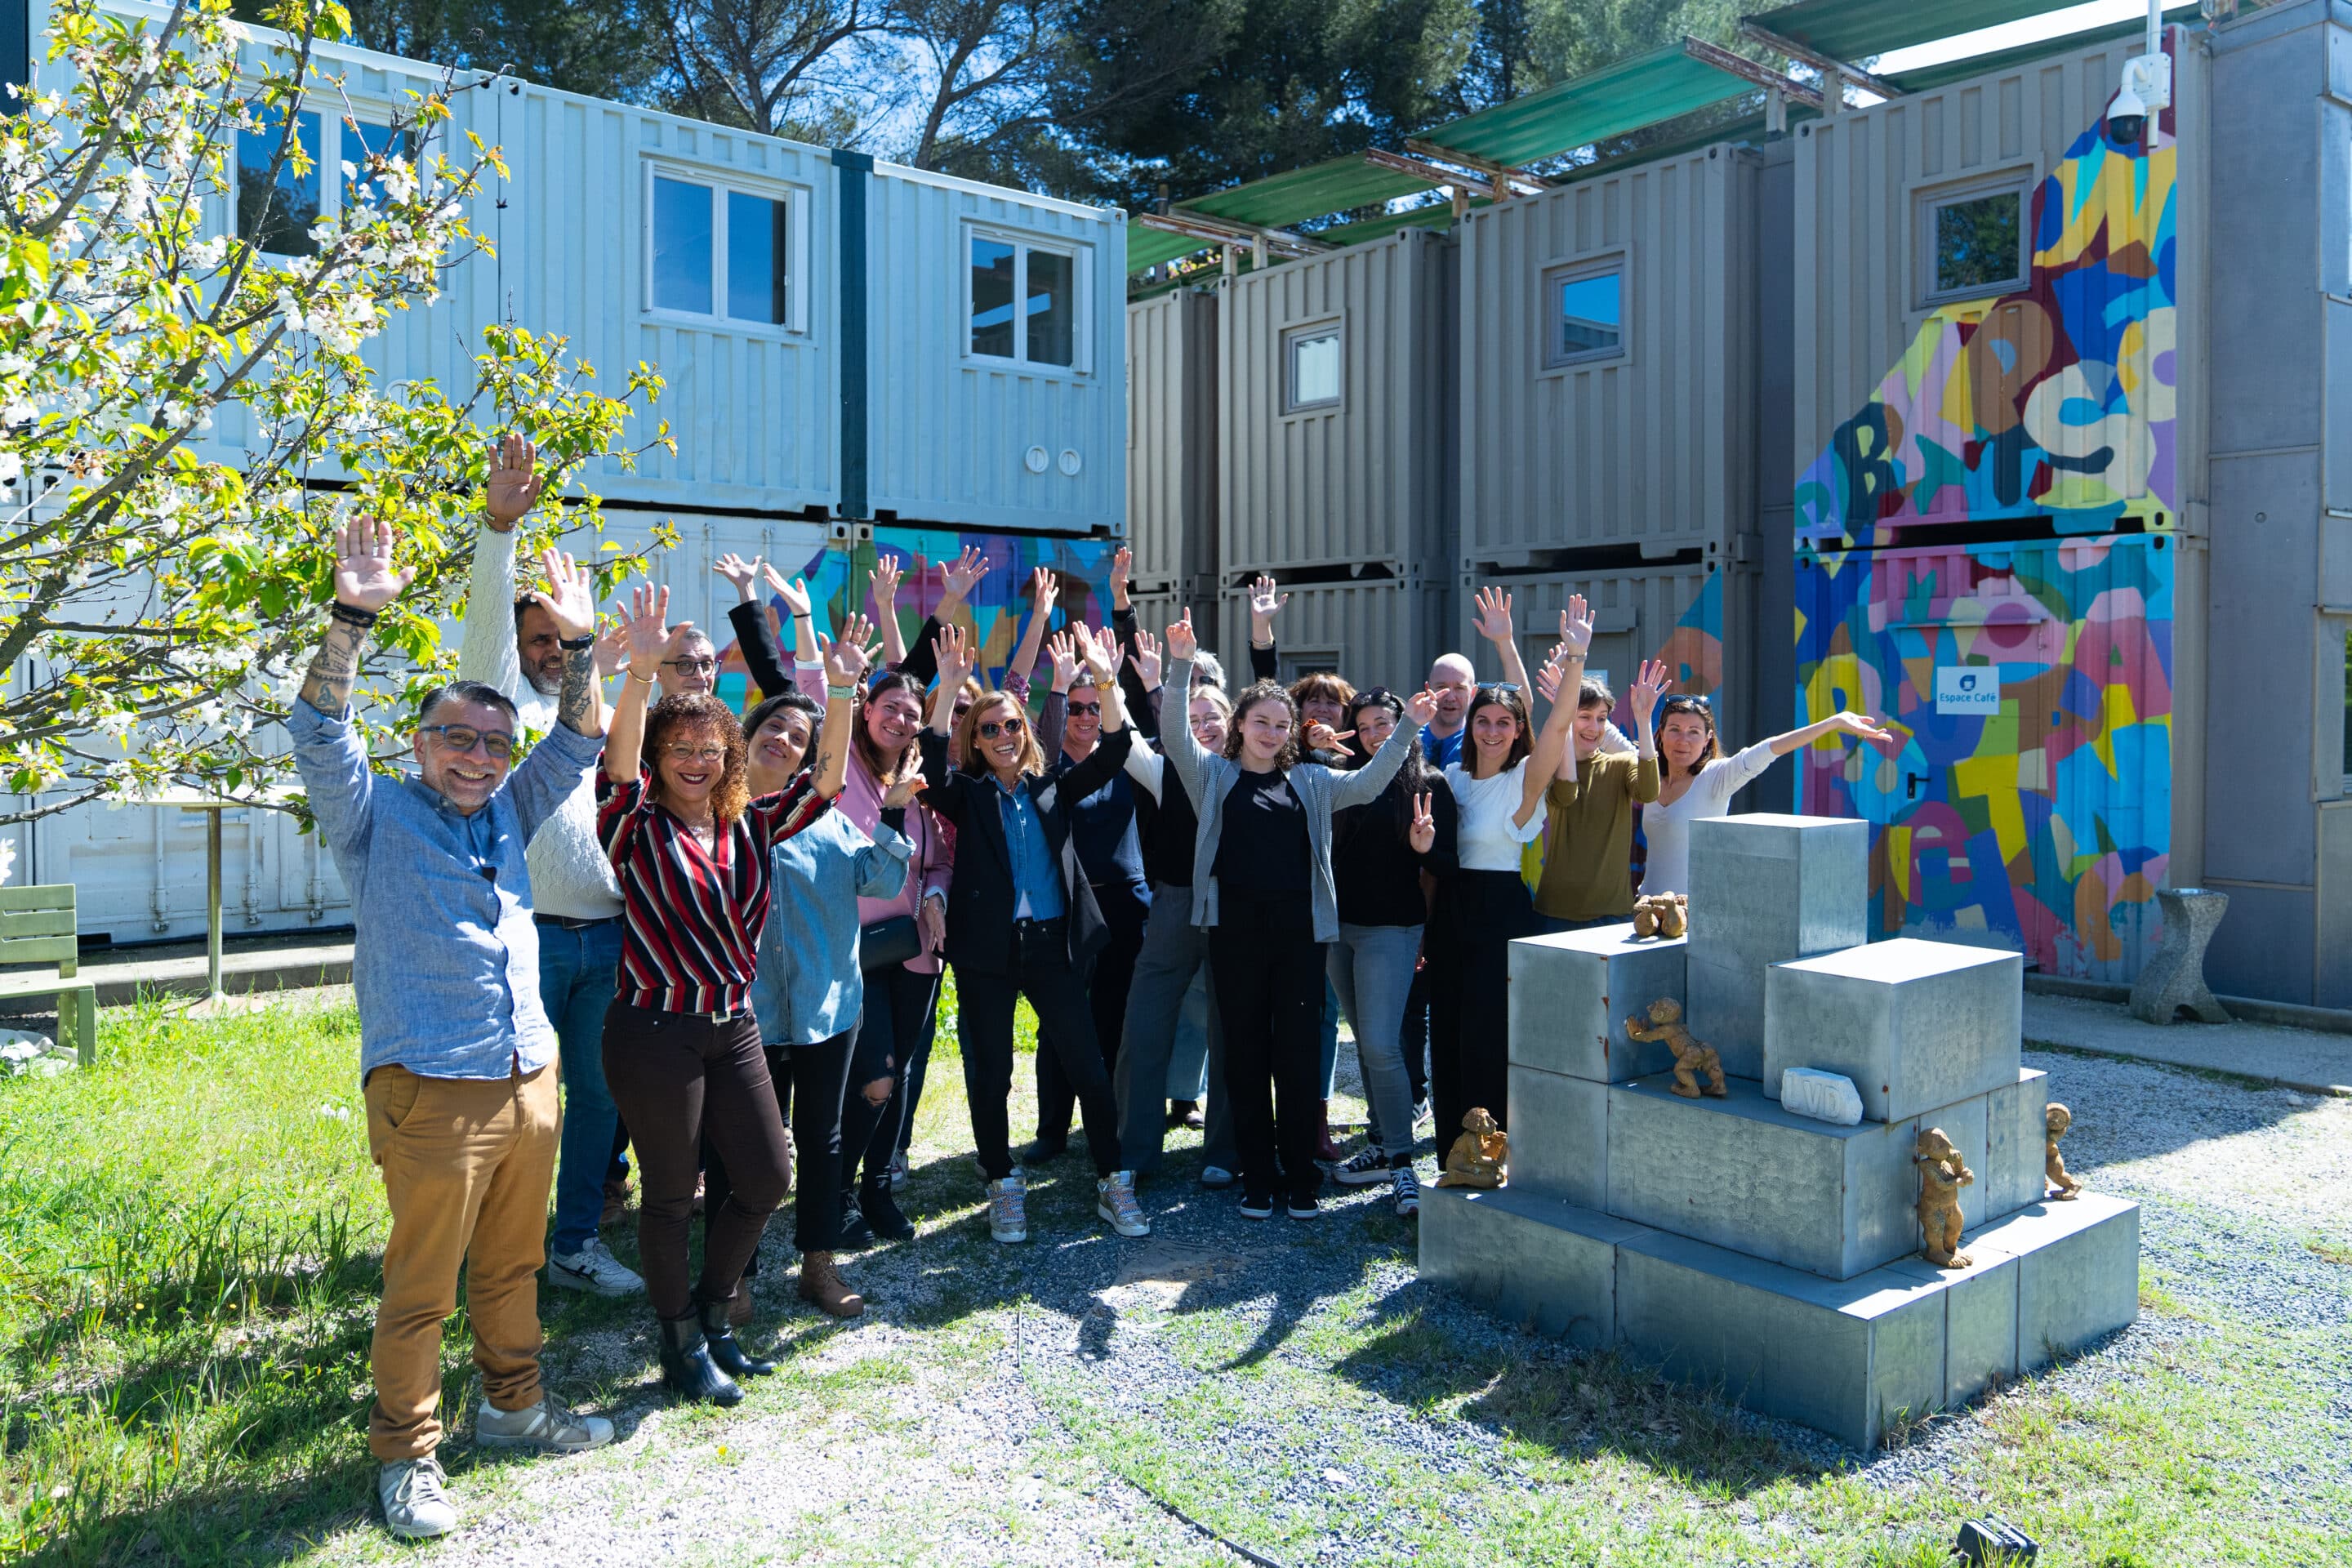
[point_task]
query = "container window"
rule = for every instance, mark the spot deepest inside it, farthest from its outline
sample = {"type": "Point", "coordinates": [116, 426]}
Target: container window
{"type": "Point", "coordinates": [1024, 302]}
{"type": "Point", "coordinates": [755, 258]}
{"type": "Point", "coordinates": [1311, 371]}
{"type": "Point", "coordinates": [372, 141]}
{"type": "Point", "coordinates": [1973, 242]}
{"type": "Point", "coordinates": [682, 251]}
{"type": "Point", "coordinates": [1587, 314]}
{"type": "Point", "coordinates": [276, 215]}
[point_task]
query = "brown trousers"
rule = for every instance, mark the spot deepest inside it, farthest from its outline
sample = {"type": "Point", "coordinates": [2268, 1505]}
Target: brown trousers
{"type": "Point", "coordinates": [467, 1166]}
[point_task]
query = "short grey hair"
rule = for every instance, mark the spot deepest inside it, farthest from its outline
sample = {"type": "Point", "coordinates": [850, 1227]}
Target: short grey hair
{"type": "Point", "coordinates": [1208, 670]}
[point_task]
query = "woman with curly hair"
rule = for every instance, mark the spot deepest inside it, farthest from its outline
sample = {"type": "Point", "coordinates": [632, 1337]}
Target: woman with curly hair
{"type": "Point", "coordinates": [682, 1053]}
{"type": "Point", "coordinates": [1263, 889]}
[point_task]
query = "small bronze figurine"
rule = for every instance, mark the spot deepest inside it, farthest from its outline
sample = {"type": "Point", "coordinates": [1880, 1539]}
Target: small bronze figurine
{"type": "Point", "coordinates": [1661, 914]}
{"type": "Point", "coordinates": [1941, 1176]}
{"type": "Point", "coordinates": [1691, 1056]}
{"type": "Point", "coordinates": [2054, 1121]}
{"type": "Point", "coordinates": [1480, 1156]}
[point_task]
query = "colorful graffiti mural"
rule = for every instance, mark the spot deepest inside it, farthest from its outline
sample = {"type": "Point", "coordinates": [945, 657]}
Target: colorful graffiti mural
{"type": "Point", "coordinates": [2027, 800]}
{"type": "Point", "coordinates": [996, 605]}
{"type": "Point", "coordinates": [2056, 401]}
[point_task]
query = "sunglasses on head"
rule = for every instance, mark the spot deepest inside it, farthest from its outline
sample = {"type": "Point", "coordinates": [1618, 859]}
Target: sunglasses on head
{"type": "Point", "coordinates": [990, 729]}
{"type": "Point", "coordinates": [1500, 688]}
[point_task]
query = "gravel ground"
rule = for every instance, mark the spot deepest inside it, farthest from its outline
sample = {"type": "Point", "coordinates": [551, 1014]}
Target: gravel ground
{"type": "Point", "coordinates": [1278, 1376]}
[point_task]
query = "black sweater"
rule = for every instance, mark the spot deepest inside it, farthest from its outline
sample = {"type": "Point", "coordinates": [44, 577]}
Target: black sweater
{"type": "Point", "coordinates": [1379, 874]}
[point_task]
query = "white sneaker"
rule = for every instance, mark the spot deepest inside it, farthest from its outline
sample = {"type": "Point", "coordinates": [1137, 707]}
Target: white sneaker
{"type": "Point", "coordinates": [1405, 1191]}
{"type": "Point", "coordinates": [415, 1505]}
{"type": "Point", "coordinates": [1008, 1208]}
{"type": "Point", "coordinates": [1115, 1203]}
{"type": "Point", "coordinates": [546, 1425]}
{"type": "Point", "coordinates": [898, 1168]}
{"type": "Point", "coordinates": [594, 1269]}
{"type": "Point", "coordinates": [1365, 1168]}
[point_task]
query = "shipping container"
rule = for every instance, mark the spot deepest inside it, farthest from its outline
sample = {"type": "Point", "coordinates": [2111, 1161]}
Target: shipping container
{"type": "Point", "coordinates": [1172, 438]}
{"type": "Point", "coordinates": [1335, 437]}
{"type": "Point", "coordinates": [1373, 633]}
{"type": "Point", "coordinates": [1686, 616]}
{"type": "Point", "coordinates": [1608, 364]}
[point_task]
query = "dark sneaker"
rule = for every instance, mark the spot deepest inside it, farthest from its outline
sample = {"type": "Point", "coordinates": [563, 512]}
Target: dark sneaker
{"type": "Point", "coordinates": [1216, 1178]}
{"type": "Point", "coordinates": [1365, 1168]}
{"type": "Point", "coordinates": [1404, 1191]}
{"type": "Point", "coordinates": [1257, 1205]}
{"type": "Point", "coordinates": [1041, 1151]}
{"type": "Point", "coordinates": [1304, 1206]}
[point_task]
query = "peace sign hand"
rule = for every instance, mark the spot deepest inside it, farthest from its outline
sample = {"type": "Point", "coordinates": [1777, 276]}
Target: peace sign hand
{"type": "Point", "coordinates": [1423, 833]}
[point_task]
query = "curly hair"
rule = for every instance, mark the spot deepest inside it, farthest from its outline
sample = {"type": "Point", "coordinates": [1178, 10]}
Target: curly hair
{"type": "Point", "coordinates": [1251, 697]}
{"type": "Point", "coordinates": [1510, 702]}
{"type": "Point", "coordinates": [699, 713]}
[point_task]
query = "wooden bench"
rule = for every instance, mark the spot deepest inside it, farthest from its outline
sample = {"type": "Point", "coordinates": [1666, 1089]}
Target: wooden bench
{"type": "Point", "coordinates": [37, 926]}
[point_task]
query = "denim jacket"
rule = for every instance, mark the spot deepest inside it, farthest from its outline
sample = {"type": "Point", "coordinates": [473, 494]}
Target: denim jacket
{"type": "Point", "coordinates": [810, 987]}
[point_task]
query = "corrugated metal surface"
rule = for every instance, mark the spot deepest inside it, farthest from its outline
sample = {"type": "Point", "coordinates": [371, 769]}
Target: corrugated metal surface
{"type": "Point", "coordinates": [1171, 435]}
{"type": "Point", "coordinates": [1156, 612]}
{"type": "Point", "coordinates": [950, 430]}
{"type": "Point", "coordinates": [1686, 616]}
{"type": "Point", "coordinates": [1375, 634]}
{"type": "Point", "coordinates": [1368, 480]}
{"type": "Point", "coordinates": [1654, 447]}
{"type": "Point", "coordinates": [2042, 821]}
{"type": "Point", "coordinates": [1859, 298]}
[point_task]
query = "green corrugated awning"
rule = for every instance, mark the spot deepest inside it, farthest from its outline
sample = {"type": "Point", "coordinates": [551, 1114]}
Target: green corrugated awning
{"type": "Point", "coordinates": [1857, 30]}
{"type": "Point", "coordinates": [1927, 79]}
{"type": "Point", "coordinates": [1436, 214]}
{"type": "Point", "coordinates": [1592, 108]}
{"type": "Point", "coordinates": [1148, 246]}
{"type": "Point", "coordinates": [1335, 184]}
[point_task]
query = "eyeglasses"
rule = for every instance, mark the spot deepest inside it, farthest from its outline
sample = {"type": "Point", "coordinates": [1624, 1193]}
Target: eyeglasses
{"type": "Point", "coordinates": [496, 744]}
{"type": "Point", "coordinates": [1082, 710]}
{"type": "Point", "coordinates": [692, 665]}
{"type": "Point", "coordinates": [992, 728]}
{"type": "Point", "coordinates": [681, 752]}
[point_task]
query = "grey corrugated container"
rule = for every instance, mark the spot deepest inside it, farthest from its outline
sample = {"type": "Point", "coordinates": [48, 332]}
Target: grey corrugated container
{"type": "Point", "coordinates": [1366, 481]}
{"type": "Point", "coordinates": [1860, 293]}
{"type": "Point", "coordinates": [1652, 446]}
{"type": "Point", "coordinates": [1171, 437]}
{"type": "Point", "coordinates": [1693, 617]}
{"type": "Point", "coordinates": [1374, 633]}
{"type": "Point", "coordinates": [953, 434]}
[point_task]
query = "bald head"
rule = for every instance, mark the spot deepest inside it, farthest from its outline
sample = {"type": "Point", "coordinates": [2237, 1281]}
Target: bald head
{"type": "Point", "coordinates": [1451, 677]}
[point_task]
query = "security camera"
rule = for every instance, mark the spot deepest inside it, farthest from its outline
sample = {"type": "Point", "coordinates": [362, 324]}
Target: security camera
{"type": "Point", "coordinates": [2127, 116]}
{"type": "Point", "coordinates": [2147, 86]}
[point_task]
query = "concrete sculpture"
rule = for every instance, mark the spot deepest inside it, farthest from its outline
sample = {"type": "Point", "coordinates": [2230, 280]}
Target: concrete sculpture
{"type": "Point", "coordinates": [1941, 1176]}
{"type": "Point", "coordinates": [1480, 1157]}
{"type": "Point", "coordinates": [2057, 1118]}
{"type": "Point", "coordinates": [1661, 914]}
{"type": "Point", "coordinates": [1691, 1056]}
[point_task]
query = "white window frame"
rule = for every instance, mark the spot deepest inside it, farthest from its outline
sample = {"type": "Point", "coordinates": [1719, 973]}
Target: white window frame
{"type": "Point", "coordinates": [328, 170]}
{"type": "Point", "coordinates": [719, 183]}
{"type": "Point", "coordinates": [1926, 201]}
{"type": "Point", "coordinates": [1286, 364]}
{"type": "Point", "coordinates": [1023, 242]}
{"type": "Point", "coordinates": [1616, 265]}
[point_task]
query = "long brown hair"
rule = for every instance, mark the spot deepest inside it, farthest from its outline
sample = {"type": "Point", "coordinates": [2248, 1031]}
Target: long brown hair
{"type": "Point", "coordinates": [692, 713]}
{"type": "Point", "coordinates": [1256, 696]}
{"type": "Point", "coordinates": [1510, 700]}
{"type": "Point", "coordinates": [1033, 760]}
{"type": "Point", "coordinates": [1689, 704]}
{"type": "Point", "coordinates": [861, 741]}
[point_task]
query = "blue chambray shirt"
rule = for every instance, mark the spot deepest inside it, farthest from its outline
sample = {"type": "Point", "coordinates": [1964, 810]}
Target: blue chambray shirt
{"type": "Point", "coordinates": [445, 960]}
{"type": "Point", "coordinates": [809, 988]}
{"type": "Point", "coordinates": [1036, 881]}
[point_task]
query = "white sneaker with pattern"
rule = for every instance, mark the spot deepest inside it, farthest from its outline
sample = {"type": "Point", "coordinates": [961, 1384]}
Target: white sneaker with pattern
{"type": "Point", "coordinates": [546, 1425]}
{"type": "Point", "coordinates": [1367, 1167]}
{"type": "Point", "coordinates": [1404, 1190]}
{"type": "Point", "coordinates": [594, 1269]}
{"type": "Point", "coordinates": [1008, 1209]}
{"type": "Point", "coordinates": [1115, 1203]}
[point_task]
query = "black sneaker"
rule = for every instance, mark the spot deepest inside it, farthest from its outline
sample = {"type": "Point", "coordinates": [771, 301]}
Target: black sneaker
{"type": "Point", "coordinates": [1257, 1205]}
{"type": "Point", "coordinates": [1216, 1178]}
{"type": "Point", "coordinates": [856, 1235]}
{"type": "Point", "coordinates": [1041, 1151]}
{"type": "Point", "coordinates": [881, 1210]}
{"type": "Point", "coordinates": [1304, 1206]}
{"type": "Point", "coordinates": [1363, 1169]}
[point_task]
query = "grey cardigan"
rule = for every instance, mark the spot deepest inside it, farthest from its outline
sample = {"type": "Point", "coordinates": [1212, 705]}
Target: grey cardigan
{"type": "Point", "coordinates": [1208, 779]}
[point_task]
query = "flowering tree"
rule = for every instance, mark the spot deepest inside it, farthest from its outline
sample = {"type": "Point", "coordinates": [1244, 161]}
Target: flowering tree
{"type": "Point", "coordinates": [185, 414]}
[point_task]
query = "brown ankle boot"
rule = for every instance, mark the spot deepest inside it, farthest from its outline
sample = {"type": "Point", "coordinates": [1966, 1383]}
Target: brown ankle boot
{"type": "Point", "coordinates": [821, 1285]}
{"type": "Point", "coordinates": [1324, 1148]}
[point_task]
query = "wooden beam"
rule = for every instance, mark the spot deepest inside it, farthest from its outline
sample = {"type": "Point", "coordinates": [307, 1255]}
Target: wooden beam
{"type": "Point", "coordinates": [1819, 62]}
{"type": "Point", "coordinates": [1218, 231]}
{"type": "Point", "coordinates": [1436, 175]}
{"type": "Point", "coordinates": [1502, 180]}
{"type": "Point", "coordinates": [1740, 66]}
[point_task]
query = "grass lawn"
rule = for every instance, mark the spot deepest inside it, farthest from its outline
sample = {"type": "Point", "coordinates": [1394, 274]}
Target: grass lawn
{"type": "Point", "coordinates": [189, 1258]}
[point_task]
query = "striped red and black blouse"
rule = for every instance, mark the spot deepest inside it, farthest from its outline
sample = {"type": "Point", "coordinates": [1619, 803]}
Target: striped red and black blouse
{"type": "Point", "coordinates": [691, 918]}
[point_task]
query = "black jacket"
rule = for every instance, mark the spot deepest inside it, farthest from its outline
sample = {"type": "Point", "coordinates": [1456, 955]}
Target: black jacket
{"type": "Point", "coordinates": [981, 898]}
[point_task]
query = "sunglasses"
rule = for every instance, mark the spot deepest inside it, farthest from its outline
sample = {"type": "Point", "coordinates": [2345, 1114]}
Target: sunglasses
{"type": "Point", "coordinates": [1082, 710]}
{"type": "Point", "coordinates": [496, 744]}
{"type": "Point", "coordinates": [1502, 688]}
{"type": "Point", "coordinates": [990, 729]}
{"type": "Point", "coordinates": [692, 665]}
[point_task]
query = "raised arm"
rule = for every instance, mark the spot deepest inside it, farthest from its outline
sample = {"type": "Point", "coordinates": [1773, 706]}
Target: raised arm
{"type": "Point", "coordinates": [1553, 755]}
{"type": "Point", "coordinates": [1495, 625]}
{"type": "Point", "coordinates": [755, 635]}
{"type": "Point", "coordinates": [845, 664]}
{"type": "Point", "coordinates": [1845, 723]}
{"type": "Point", "coordinates": [1177, 741]}
{"type": "Point", "coordinates": [883, 584]}
{"type": "Point", "coordinates": [646, 627]}
{"type": "Point", "coordinates": [795, 595]}
{"type": "Point", "coordinates": [1045, 589]}
{"type": "Point", "coordinates": [1649, 684]}
{"type": "Point", "coordinates": [487, 652]}
{"type": "Point", "coordinates": [1139, 680]}
{"type": "Point", "coordinates": [332, 762]}
{"type": "Point", "coordinates": [1264, 605]}
{"type": "Point", "coordinates": [556, 765]}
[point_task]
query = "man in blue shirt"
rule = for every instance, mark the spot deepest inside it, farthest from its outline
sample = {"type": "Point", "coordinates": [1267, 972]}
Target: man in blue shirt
{"type": "Point", "coordinates": [456, 1051]}
{"type": "Point", "coordinates": [1451, 679]}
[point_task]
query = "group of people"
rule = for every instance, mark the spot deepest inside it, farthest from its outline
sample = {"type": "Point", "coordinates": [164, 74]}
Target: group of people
{"type": "Point", "coordinates": [728, 935]}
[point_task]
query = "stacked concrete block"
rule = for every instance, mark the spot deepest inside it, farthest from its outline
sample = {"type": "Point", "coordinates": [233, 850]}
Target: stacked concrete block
{"type": "Point", "coordinates": [1773, 1256]}
{"type": "Point", "coordinates": [1914, 1023]}
{"type": "Point", "coordinates": [1766, 888]}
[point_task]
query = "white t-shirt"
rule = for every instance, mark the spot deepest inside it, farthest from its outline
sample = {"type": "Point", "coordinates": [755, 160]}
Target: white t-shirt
{"type": "Point", "coordinates": [1666, 829]}
{"type": "Point", "coordinates": [1487, 839]}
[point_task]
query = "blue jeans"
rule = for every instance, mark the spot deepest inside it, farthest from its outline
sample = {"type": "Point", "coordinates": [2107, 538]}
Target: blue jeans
{"type": "Point", "coordinates": [1329, 1064]}
{"type": "Point", "coordinates": [1371, 972]}
{"type": "Point", "coordinates": [578, 973]}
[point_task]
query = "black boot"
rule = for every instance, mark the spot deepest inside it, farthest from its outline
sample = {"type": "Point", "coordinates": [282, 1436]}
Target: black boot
{"type": "Point", "coordinates": [881, 1210]}
{"type": "Point", "coordinates": [855, 1234]}
{"type": "Point", "coordinates": [726, 1353]}
{"type": "Point", "coordinates": [687, 1365]}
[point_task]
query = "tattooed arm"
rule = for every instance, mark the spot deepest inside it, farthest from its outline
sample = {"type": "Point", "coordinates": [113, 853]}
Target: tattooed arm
{"type": "Point", "coordinates": [365, 581]}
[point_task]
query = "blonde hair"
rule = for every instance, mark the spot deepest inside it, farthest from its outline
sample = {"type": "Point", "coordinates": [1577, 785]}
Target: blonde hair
{"type": "Point", "coordinates": [1032, 759]}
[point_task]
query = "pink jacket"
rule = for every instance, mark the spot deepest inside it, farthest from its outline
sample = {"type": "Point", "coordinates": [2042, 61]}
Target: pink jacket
{"type": "Point", "coordinates": [927, 872]}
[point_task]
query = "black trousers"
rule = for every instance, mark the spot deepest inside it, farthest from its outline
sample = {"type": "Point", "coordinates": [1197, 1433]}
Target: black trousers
{"type": "Point", "coordinates": [1041, 971]}
{"type": "Point", "coordinates": [1476, 917]}
{"type": "Point", "coordinates": [1267, 969]}
{"type": "Point", "coordinates": [901, 1008]}
{"type": "Point", "coordinates": [1415, 1034]}
{"type": "Point", "coordinates": [1107, 989]}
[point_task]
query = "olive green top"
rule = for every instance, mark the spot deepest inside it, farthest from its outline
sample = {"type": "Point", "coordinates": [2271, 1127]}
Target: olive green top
{"type": "Point", "coordinates": [1588, 839]}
